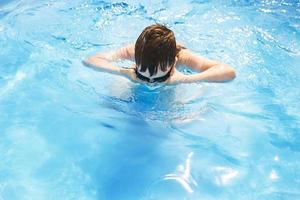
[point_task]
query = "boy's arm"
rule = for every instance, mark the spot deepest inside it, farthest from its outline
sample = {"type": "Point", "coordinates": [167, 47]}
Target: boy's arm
{"type": "Point", "coordinates": [126, 52]}
{"type": "Point", "coordinates": [210, 71]}
{"type": "Point", "coordinates": [102, 61]}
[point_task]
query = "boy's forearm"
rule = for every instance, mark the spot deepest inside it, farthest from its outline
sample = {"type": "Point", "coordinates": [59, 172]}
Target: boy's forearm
{"type": "Point", "coordinates": [194, 61]}
{"type": "Point", "coordinates": [100, 64]}
{"type": "Point", "coordinates": [218, 73]}
{"type": "Point", "coordinates": [126, 52]}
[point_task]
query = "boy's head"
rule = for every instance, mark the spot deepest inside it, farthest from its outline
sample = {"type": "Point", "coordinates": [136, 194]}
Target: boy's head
{"type": "Point", "coordinates": [155, 48]}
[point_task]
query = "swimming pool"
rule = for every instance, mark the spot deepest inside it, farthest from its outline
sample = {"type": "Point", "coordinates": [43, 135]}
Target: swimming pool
{"type": "Point", "coordinates": [68, 132]}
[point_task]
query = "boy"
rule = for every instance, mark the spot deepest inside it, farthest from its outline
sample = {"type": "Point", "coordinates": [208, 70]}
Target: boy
{"type": "Point", "coordinates": [157, 55]}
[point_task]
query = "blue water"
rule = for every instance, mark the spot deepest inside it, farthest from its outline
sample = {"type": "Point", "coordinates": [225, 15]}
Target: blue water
{"type": "Point", "coordinates": [68, 132]}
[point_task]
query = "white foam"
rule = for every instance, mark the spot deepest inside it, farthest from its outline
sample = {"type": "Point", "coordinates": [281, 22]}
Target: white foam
{"type": "Point", "coordinates": [183, 177]}
{"type": "Point", "coordinates": [273, 175]}
{"type": "Point", "coordinates": [276, 158]}
{"type": "Point", "coordinates": [12, 83]}
{"type": "Point", "coordinates": [227, 175]}
{"type": "Point", "coordinates": [1, 28]}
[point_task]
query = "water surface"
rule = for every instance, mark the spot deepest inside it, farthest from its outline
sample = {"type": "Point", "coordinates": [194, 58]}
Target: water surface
{"type": "Point", "coordinates": [68, 132]}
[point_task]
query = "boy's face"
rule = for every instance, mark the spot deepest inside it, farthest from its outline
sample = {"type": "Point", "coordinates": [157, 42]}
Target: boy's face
{"type": "Point", "coordinates": [159, 73]}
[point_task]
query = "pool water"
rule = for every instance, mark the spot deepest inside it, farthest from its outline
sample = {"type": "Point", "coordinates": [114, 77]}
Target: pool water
{"type": "Point", "coordinates": [69, 132]}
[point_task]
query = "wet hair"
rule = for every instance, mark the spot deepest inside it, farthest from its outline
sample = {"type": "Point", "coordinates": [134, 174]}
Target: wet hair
{"type": "Point", "coordinates": [155, 47]}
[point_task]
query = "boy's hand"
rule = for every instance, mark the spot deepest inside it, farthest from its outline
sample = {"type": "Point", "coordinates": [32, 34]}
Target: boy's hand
{"type": "Point", "coordinates": [129, 72]}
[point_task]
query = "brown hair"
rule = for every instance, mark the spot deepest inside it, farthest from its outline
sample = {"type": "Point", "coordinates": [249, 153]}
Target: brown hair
{"type": "Point", "coordinates": [156, 46]}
